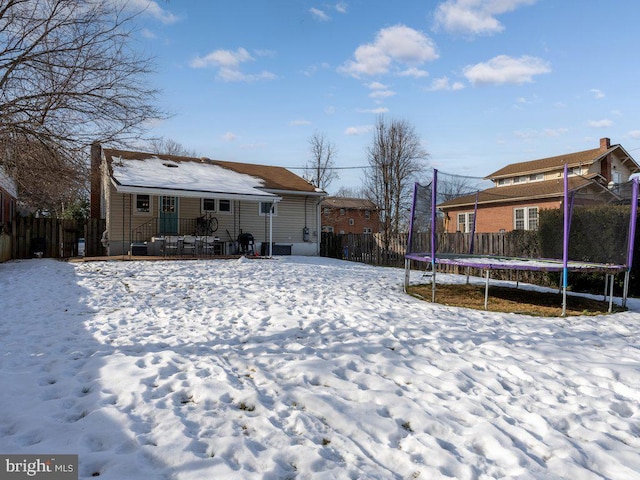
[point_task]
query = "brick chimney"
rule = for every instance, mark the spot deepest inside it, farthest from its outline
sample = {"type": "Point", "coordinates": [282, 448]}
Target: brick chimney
{"type": "Point", "coordinates": [605, 143]}
{"type": "Point", "coordinates": [95, 178]}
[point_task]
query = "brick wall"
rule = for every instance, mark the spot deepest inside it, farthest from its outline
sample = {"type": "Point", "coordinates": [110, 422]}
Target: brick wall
{"type": "Point", "coordinates": [495, 218]}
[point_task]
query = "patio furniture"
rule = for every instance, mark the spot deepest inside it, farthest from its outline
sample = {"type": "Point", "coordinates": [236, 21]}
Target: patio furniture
{"type": "Point", "coordinates": [211, 245]}
{"type": "Point", "coordinates": [172, 245]}
{"type": "Point", "coordinates": [188, 245]}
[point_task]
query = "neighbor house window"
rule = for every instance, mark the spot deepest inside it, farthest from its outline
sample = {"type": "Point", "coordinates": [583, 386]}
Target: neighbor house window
{"type": "Point", "coordinates": [266, 207]}
{"type": "Point", "coordinates": [536, 177]}
{"type": "Point", "coordinates": [343, 211]}
{"type": "Point", "coordinates": [575, 171]}
{"type": "Point", "coordinates": [143, 203]}
{"type": "Point", "coordinates": [352, 221]}
{"type": "Point", "coordinates": [504, 181]}
{"type": "Point", "coordinates": [368, 230]}
{"type": "Point", "coordinates": [525, 218]}
{"type": "Point", "coordinates": [521, 179]}
{"type": "Point", "coordinates": [208, 204]}
{"type": "Point", "coordinates": [465, 222]}
{"type": "Point", "coordinates": [367, 214]}
{"type": "Point", "coordinates": [326, 210]}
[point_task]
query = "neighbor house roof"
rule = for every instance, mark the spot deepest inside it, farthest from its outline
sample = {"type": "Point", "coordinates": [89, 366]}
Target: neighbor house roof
{"type": "Point", "coordinates": [523, 192]}
{"type": "Point", "coordinates": [584, 158]}
{"type": "Point", "coordinates": [349, 203]}
{"type": "Point", "coordinates": [142, 172]}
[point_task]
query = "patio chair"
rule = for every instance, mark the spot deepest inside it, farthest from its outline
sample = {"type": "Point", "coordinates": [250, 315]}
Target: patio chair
{"type": "Point", "coordinates": [211, 245]}
{"type": "Point", "coordinates": [188, 245]}
{"type": "Point", "coordinates": [171, 245]}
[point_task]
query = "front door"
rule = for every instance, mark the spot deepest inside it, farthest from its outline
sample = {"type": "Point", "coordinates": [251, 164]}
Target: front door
{"type": "Point", "coordinates": [168, 215]}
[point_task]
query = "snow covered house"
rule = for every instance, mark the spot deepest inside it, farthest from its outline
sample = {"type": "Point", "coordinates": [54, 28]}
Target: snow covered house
{"type": "Point", "coordinates": [148, 198]}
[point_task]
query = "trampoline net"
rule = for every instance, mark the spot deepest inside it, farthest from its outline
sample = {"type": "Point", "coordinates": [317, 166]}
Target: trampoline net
{"type": "Point", "coordinates": [523, 219]}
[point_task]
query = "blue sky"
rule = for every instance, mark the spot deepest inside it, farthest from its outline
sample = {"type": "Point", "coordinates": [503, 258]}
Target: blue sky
{"type": "Point", "coordinates": [483, 82]}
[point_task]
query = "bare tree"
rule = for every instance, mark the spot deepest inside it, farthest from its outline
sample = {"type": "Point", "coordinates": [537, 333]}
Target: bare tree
{"type": "Point", "coordinates": [351, 192]}
{"type": "Point", "coordinates": [67, 77]}
{"type": "Point", "coordinates": [320, 170]}
{"type": "Point", "coordinates": [168, 146]}
{"type": "Point", "coordinates": [396, 158]}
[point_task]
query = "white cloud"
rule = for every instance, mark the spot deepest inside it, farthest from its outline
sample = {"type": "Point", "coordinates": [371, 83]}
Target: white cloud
{"type": "Point", "coordinates": [319, 14]}
{"type": "Point", "coordinates": [152, 8]}
{"type": "Point", "coordinates": [475, 17]}
{"type": "Point", "coordinates": [413, 72]}
{"type": "Point", "coordinates": [393, 45]}
{"type": "Point", "coordinates": [504, 69]}
{"type": "Point", "coordinates": [444, 84]}
{"type": "Point", "coordinates": [605, 122]}
{"type": "Point", "coordinates": [382, 94]}
{"type": "Point", "coordinates": [555, 132]}
{"type": "Point", "coordinates": [295, 123]}
{"type": "Point", "coordinates": [222, 58]}
{"type": "Point", "coordinates": [546, 132]}
{"type": "Point", "coordinates": [229, 137]}
{"type": "Point", "coordinates": [341, 7]}
{"type": "Point", "coordinates": [376, 111]}
{"type": "Point", "coordinates": [635, 134]}
{"type": "Point", "coordinates": [359, 130]}
{"type": "Point", "coordinates": [376, 86]}
{"type": "Point", "coordinates": [148, 34]}
{"type": "Point", "coordinates": [228, 63]}
{"type": "Point", "coordinates": [330, 110]}
{"type": "Point", "coordinates": [597, 94]}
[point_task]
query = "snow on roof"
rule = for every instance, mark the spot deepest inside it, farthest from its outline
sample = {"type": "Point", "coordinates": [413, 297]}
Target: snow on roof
{"type": "Point", "coordinates": [8, 184]}
{"type": "Point", "coordinates": [186, 176]}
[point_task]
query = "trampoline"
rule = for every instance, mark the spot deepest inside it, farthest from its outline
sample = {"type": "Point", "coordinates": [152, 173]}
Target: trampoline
{"type": "Point", "coordinates": [433, 257]}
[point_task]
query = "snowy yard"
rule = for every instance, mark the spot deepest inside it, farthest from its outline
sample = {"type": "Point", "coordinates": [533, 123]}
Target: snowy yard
{"type": "Point", "coordinates": [305, 368]}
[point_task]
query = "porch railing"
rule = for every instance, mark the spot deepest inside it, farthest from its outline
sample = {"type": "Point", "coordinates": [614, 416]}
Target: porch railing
{"type": "Point", "coordinates": [156, 226]}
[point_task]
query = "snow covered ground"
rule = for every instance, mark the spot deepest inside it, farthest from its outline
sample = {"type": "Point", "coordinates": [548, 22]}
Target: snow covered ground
{"type": "Point", "coordinates": [304, 368]}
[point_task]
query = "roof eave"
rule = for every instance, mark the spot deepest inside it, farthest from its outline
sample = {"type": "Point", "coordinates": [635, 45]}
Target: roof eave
{"type": "Point", "coordinates": [142, 190]}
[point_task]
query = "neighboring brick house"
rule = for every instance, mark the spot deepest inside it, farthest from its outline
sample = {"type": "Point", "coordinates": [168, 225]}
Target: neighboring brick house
{"type": "Point", "coordinates": [521, 190]}
{"type": "Point", "coordinates": [349, 215]}
{"type": "Point", "coordinates": [8, 198]}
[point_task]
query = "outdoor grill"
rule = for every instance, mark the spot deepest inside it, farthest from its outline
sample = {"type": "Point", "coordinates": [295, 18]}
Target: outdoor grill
{"type": "Point", "coordinates": [245, 243]}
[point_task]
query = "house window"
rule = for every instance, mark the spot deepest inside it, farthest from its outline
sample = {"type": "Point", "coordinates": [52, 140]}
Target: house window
{"type": "Point", "coordinates": [521, 179]}
{"type": "Point", "coordinates": [168, 205]}
{"type": "Point", "coordinates": [266, 207]}
{"type": "Point", "coordinates": [327, 229]}
{"type": "Point", "coordinates": [343, 211]}
{"type": "Point", "coordinates": [208, 204]}
{"type": "Point", "coordinates": [352, 221]}
{"type": "Point", "coordinates": [617, 177]}
{"type": "Point", "coordinates": [504, 181]}
{"type": "Point", "coordinates": [367, 214]}
{"type": "Point", "coordinates": [465, 222]}
{"type": "Point", "coordinates": [536, 177]}
{"type": "Point", "coordinates": [575, 171]}
{"type": "Point", "coordinates": [143, 203]}
{"type": "Point", "coordinates": [368, 230]}
{"type": "Point", "coordinates": [326, 210]}
{"type": "Point", "coordinates": [224, 206]}
{"type": "Point", "coordinates": [525, 218]}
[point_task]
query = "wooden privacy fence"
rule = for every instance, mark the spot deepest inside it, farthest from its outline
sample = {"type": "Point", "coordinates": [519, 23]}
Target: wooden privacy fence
{"type": "Point", "coordinates": [371, 249]}
{"type": "Point", "coordinates": [55, 238]}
